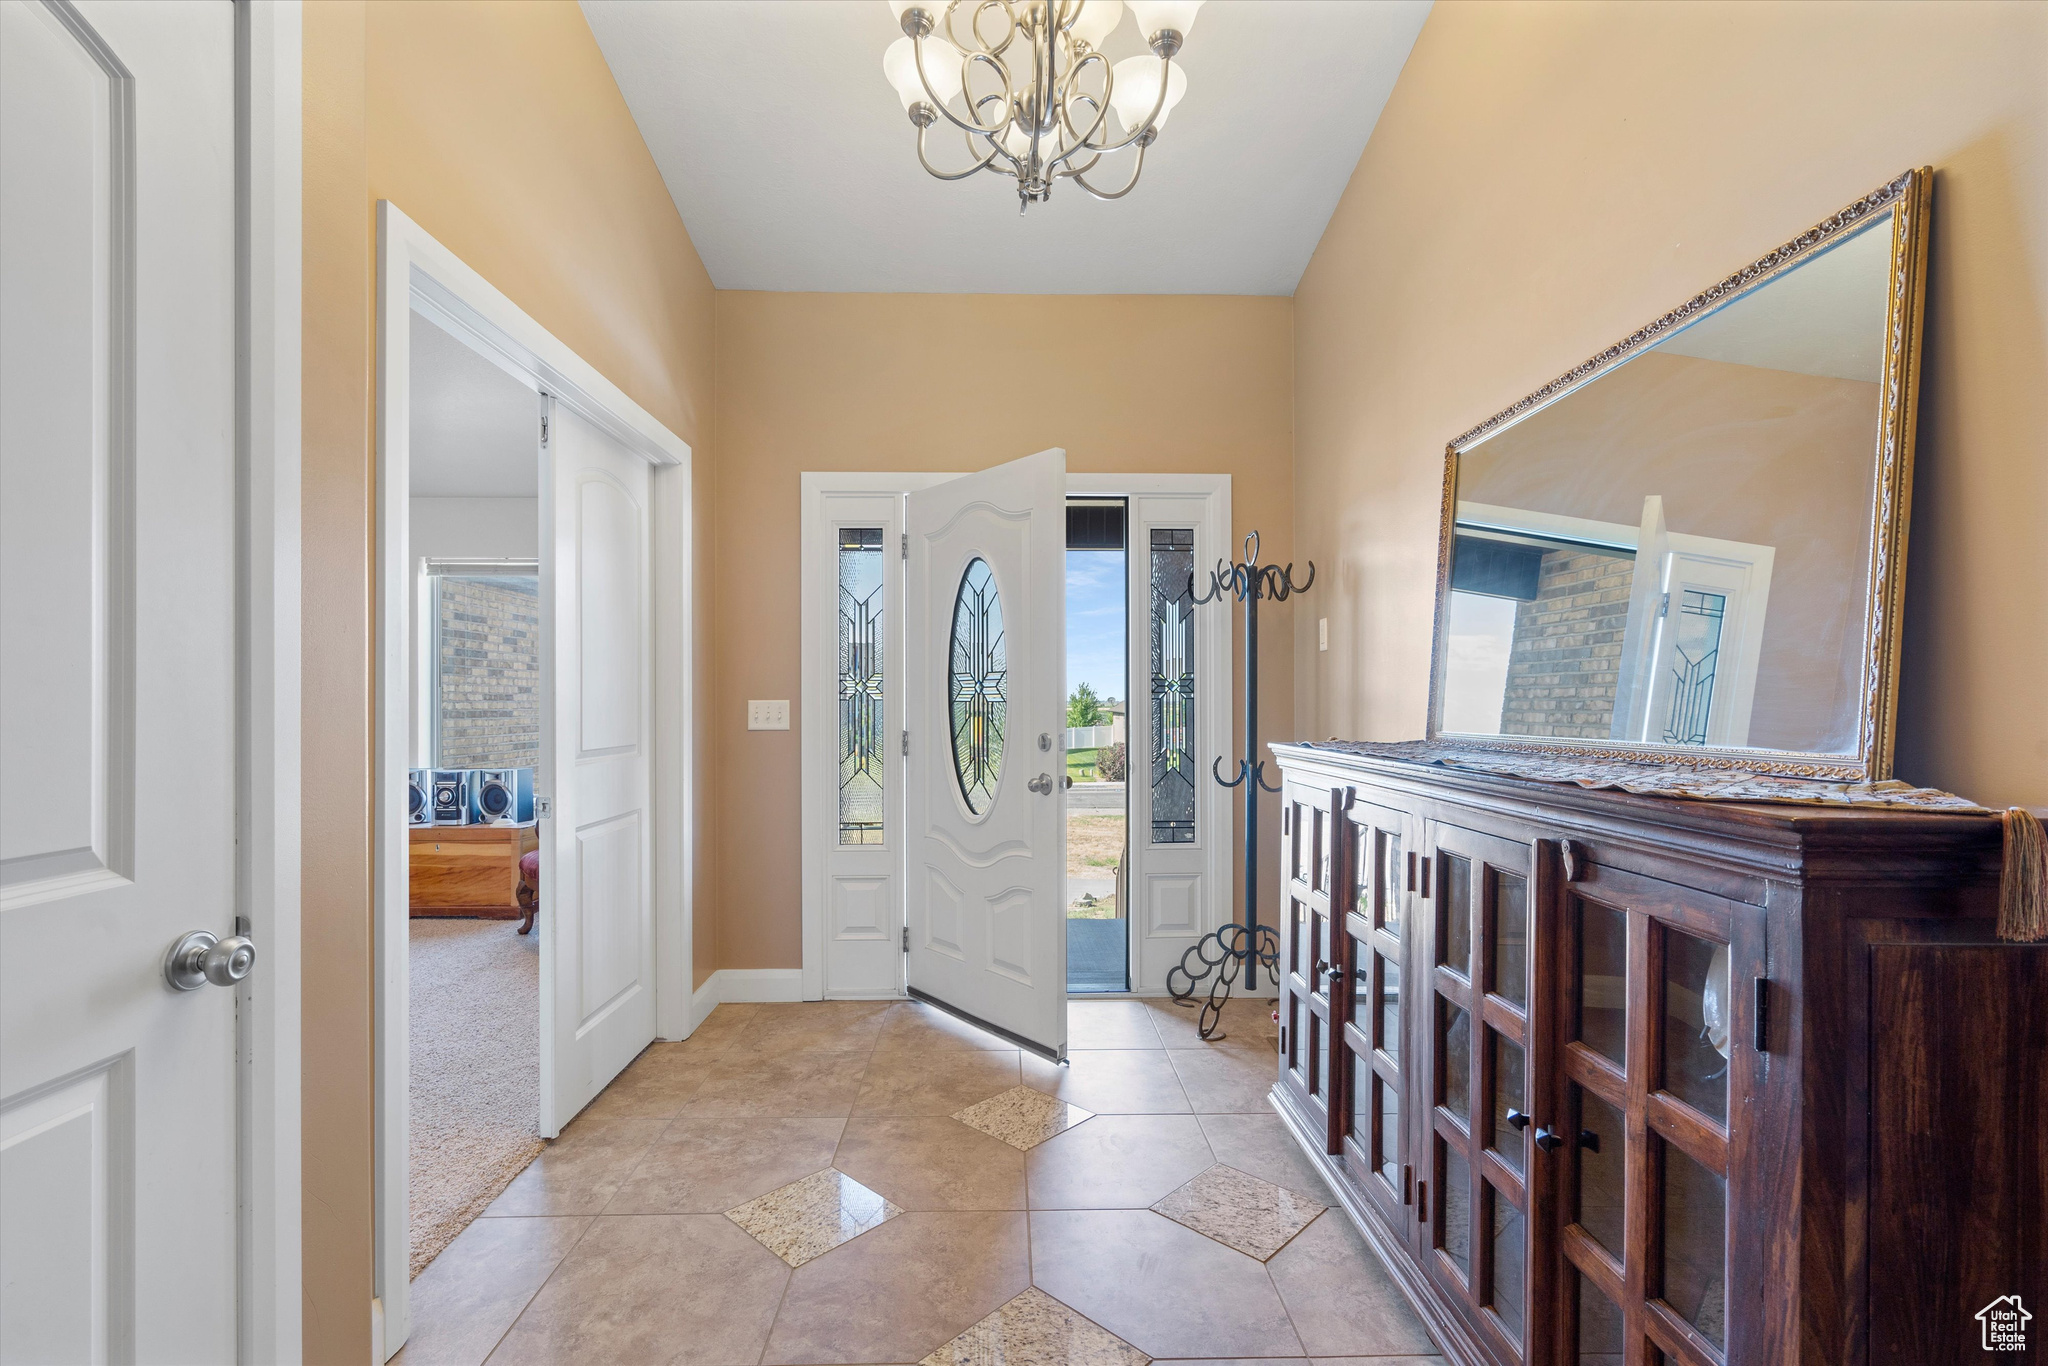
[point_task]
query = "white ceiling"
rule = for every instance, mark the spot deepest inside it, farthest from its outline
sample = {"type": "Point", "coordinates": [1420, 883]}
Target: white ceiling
{"type": "Point", "coordinates": [475, 430]}
{"type": "Point", "coordinates": [794, 166]}
{"type": "Point", "coordinates": [1825, 317]}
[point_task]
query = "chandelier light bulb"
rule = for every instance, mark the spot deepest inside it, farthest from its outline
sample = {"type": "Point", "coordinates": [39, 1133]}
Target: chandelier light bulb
{"type": "Point", "coordinates": [1136, 90]}
{"type": "Point", "coordinates": [941, 64]}
{"type": "Point", "coordinates": [1097, 20]}
{"type": "Point", "coordinates": [1154, 15]}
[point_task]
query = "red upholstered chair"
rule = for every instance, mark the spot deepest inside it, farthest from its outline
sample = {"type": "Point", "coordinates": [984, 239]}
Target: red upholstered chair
{"type": "Point", "coordinates": [529, 888]}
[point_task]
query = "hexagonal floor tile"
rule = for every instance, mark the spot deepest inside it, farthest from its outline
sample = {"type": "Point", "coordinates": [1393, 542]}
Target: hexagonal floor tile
{"type": "Point", "coordinates": [905, 1289]}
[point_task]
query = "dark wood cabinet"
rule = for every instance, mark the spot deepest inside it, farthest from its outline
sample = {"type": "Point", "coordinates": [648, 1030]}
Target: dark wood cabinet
{"type": "Point", "coordinates": [1614, 1079]}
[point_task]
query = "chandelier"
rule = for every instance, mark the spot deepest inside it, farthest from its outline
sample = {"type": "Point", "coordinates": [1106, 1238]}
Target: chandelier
{"type": "Point", "coordinates": [1025, 86]}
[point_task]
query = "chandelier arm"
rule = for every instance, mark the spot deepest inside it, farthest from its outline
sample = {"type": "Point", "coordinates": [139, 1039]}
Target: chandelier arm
{"type": "Point", "coordinates": [974, 26]}
{"type": "Point", "coordinates": [1136, 168]}
{"type": "Point", "coordinates": [1076, 169]}
{"type": "Point", "coordinates": [917, 54]}
{"type": "Point", "coordinates": [1072, 93]}
{"type": "Point", "coordinates": [937, 174]}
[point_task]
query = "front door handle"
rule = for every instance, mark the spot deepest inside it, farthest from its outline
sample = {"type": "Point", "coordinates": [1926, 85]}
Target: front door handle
{"type": "Point", "coordinates": [1042, 784]}
{"type": "Point", "coordinates": [198, 958]}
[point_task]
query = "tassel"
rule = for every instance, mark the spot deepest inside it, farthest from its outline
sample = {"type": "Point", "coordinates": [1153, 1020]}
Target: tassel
{"type": "Point", "coordinates": [2023, 891]}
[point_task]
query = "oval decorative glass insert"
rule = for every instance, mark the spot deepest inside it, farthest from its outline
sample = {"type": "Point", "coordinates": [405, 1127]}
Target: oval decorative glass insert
{"type": "Point", "coordinates": [976, 677]}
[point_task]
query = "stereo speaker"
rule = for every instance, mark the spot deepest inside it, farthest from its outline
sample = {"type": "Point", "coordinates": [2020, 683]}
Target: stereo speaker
{"type": "Point", "coordinates": [419, 805]}
{"type": "Point", "coordinates": [503, 796]}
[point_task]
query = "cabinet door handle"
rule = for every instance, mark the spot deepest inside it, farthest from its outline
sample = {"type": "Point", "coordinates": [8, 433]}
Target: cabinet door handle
{"type": "Point", "coordinates": [1548, 1141]}
{"type": "Point", "coordinates": [1589, 1140]}
{"type": "Point", "coordinates": [1422, 1201]}
{"type": "Point", "coordinates": [1517, 1120]}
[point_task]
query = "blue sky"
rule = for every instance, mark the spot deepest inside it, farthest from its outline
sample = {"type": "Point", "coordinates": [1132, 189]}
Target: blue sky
{"type": "Point", "coordinates": [1095, 621]}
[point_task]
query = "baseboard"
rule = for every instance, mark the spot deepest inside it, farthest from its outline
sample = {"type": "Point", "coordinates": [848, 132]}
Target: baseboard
{"type": "Point", "coordinates": [744, 984]}
{"type": "Point", "coordinates": [703, 1001]}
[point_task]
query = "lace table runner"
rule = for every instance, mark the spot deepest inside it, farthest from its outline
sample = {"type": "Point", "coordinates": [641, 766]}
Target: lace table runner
{"type": "Point", "coordinates": [1662, 780]}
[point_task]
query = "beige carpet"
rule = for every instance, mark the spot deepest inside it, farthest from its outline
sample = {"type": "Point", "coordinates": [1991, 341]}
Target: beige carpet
{"type": "Point", "coordinates": [475, 1072]}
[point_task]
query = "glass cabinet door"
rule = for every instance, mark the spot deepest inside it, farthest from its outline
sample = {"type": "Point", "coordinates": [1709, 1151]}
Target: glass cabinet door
{"type": "Point", "coordinates": [1310, 949]}
{"type": "Point", "coordinates": [1656, 1032]}
{"type": "Point", "coordinates": [1475, 1017]}
{"type": "Point", "coordinates": [1376, 894]}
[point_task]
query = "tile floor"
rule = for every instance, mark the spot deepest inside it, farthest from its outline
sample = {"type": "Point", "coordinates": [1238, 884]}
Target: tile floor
{"type": "Point", "coordinates": [876, 1183]}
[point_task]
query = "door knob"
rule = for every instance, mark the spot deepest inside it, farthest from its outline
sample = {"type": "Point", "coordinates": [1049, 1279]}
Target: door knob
{"type": "Point", "coordinates": [1066, 781]}
{"type": "Point", "coordinates": [1548, 1141]}
{"type": "Point", "coordinates": [198, 958]}
{"type": "Point", "coordinates": [1517, 1119]}
{"type": "Point", "coordinates": [1042, 784]}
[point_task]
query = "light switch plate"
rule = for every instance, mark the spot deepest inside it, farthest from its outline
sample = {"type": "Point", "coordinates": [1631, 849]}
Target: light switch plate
{"type": "Point", "coordinates": [1322, 633]}
{"type": "Point", "coordinates": [768, 715]}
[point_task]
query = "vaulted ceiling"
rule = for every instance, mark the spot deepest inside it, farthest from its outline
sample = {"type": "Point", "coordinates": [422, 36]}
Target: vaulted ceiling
{"type": "Point", "coordinates": [794, 167]}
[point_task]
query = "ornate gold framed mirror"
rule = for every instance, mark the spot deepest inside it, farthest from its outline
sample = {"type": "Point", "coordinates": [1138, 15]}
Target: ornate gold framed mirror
{"type": "Point", "coordinates": [1692, 548]}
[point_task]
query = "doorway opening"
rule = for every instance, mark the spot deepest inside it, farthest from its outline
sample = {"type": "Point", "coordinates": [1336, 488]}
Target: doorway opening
{"type": "Point", "coordinates": [1097, 746]}
{"type": "Point", "coordinates": [473, 877]}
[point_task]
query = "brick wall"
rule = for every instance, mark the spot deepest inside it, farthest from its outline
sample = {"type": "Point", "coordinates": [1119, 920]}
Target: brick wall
{"type": "Point", "coordinates": [490, 672]}
{"type": "Point", "coordinates": [1566, 653]}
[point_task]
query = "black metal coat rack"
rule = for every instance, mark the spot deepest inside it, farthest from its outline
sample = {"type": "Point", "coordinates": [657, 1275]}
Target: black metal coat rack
{"type": "Point", "coordinates": [1236, 948]}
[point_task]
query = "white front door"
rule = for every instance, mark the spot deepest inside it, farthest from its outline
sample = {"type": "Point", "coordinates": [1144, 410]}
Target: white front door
{"type": "Point", "coordinates": [117, 683]}
{"type": "Point", "coordinates": [597, 975]}
{"type": "Point", "coordinates": [984, 698]}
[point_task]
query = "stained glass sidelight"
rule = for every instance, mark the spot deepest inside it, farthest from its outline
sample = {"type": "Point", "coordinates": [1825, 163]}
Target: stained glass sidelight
{"type": "Point", "coordinates": [1173, 685]}
{"type": "Point", "coordinates": [976, 679]}
{"type": "Point", "coordinates": [860, 685]}
{"type": "Point", "coordinates": [1697, 647]}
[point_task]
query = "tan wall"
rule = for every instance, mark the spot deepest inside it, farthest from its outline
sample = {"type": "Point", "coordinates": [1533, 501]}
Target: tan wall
{"type": "Point", "coordinates": [1547, 178]}
{"type": "Point", "coordinates": [499, 129]}
{"type": "Point", "coordinates": [955, 382]}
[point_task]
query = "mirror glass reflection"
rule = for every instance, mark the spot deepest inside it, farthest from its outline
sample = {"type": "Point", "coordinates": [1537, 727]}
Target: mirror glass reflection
{"type": "Point", "coordinates": [1677, 551]}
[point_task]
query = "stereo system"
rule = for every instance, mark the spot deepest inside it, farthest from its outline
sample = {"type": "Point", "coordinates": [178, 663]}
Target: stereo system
{"type": "Point", "coordinates": [470, 796]}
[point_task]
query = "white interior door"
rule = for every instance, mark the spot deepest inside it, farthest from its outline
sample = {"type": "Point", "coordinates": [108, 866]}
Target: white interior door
{"type": "Point", "coordinates": [985, 701]}
{"type": "Point", "coordinates": [597, 964]}
{"type": "Point", "coordinates": [117, 688]}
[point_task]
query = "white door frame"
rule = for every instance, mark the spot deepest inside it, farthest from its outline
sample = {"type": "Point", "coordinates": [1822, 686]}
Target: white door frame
{"type": "Point", "coordinates": [819, 494]}
{"type": "Point", "coordinates": [417, 273]}
{"type": "Point", "coordinates": [267, 131]}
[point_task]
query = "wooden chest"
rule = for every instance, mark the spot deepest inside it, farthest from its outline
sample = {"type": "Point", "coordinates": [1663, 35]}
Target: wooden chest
{"type": "Point", "coordinates": [469, 870]}
{"type": "Point", "coordinates": [1615, 1079]}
